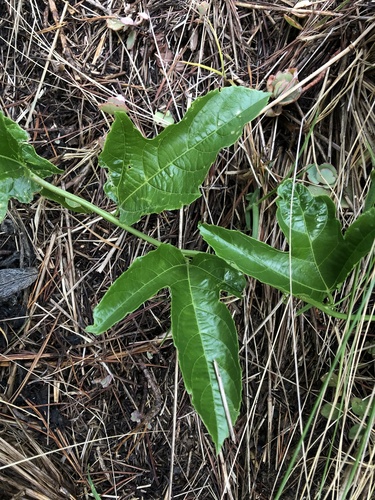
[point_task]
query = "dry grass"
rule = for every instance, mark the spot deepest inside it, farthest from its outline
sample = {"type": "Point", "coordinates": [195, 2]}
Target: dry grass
{"type": "Point", "coordinates": [68, 398]}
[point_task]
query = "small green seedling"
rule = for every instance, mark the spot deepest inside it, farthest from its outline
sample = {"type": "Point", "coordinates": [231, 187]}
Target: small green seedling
{"type": "Point", "coordinates": [361, 409]}
{"type": "Point", "coordinates": [280, 84]}
{"type": "Point", "coordinates": [163, 119]}
{"type": "Point", "coordinates": [324, 174]}
{"type": "Point", "coordinates": [165, 173]}
{"type": "Point", "coordinates": [331, 412]}
{"type": "Point", "coordinates": [322, 177]}
{"type": "Point", "coordinates": [94, 492]}
{"type": "Point", "coordinates": [333, 380]}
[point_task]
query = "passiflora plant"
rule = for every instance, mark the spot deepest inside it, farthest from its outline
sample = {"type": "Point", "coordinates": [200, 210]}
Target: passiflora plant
{"type": "Point", "coordinates": [165, 173]}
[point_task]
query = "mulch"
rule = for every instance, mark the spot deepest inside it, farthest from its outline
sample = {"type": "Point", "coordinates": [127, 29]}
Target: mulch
{"type": "Point", "coordinates": [111, 410]}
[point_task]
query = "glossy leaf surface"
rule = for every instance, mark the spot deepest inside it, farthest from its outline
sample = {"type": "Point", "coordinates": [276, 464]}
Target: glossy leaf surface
{"type": "Point", "coordinates": [164, 173]}
{"type": "Point", "coordinates": [320, 256]}
{"type": "Point", "coordinates": [202, 327]}
{"type": "Point", "coordinates": [17, 158]}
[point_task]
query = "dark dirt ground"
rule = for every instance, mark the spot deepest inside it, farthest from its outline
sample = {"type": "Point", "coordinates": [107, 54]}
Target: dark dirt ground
{"type": "Point", "coordinates": [67, 398]}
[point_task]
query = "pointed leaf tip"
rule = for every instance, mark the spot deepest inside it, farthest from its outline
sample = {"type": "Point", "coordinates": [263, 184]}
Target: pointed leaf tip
{"type": "Point", "coordinates": [202, 327]}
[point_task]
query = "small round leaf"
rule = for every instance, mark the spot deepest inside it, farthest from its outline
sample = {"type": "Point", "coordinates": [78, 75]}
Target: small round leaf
{"type": "Point", "coordinates": [322, 174]}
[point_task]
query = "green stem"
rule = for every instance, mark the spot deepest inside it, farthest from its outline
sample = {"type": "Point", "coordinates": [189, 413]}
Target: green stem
{"type": "Point", "coordinates": [187, 253]}
{"type": "Point", "coordinates": [335, 314]}
{"type": "Point", "coordinates": [105, 215]}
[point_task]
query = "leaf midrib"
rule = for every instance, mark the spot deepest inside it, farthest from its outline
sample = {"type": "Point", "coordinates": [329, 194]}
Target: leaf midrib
{"type": "Point", "coordinates": [157, 138]}
{"type": "Point", "coordinates": [212, 380]}
{"type": "Point", "coordinates": [261, 263]}
{"type": "Point", "coordinates": [314, 256]}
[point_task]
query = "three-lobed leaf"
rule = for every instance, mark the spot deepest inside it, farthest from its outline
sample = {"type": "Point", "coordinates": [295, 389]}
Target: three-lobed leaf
{"type": "Point", "coordinates": [202, 327]}
{"type": "Point", "coordinates": [319, 257]}
{"type": "Point", "coordinates": [164, 173]}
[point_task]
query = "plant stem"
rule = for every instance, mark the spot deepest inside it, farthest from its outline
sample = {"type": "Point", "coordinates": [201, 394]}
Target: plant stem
{"type": "Point", "coordinates": [187, 253]}
{"type": "Point", "coordinates": [331, 312]}
{"type": "Point", "coordinates": [105, 215]}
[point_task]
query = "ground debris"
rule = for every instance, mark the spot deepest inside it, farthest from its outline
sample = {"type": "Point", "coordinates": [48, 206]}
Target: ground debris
{"type": "Point", "coordinates": [13, 281]}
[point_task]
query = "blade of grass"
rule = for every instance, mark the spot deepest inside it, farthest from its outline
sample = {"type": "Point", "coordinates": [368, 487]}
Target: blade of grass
{"type": "Point", "coordinates": [350, 328]}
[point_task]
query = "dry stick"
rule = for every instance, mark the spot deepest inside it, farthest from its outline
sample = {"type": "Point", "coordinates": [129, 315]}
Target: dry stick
{"type": "Point", "coordinates": [68, 62]}
{"type": "Point", "coordinates": [227, 489]}
{"type": "Point", "coordinates": [325, 66]}
{"type": "Point", "coordinates": [46, 66]}
{"type": "Point", "coordinates": [116, 246]}
{"type": "Point", "coordinates": [44, 454]}
{"type": "Point", "coordinates": [224, 401]}
{"type": "Point", "coordinates": [71, 274]}
{"type": "Point", "coordinates": [35, 362]}
{"type": "Point", "coordinates": [168, 495]}
{"type": "Point", "coordinates": [7, 360]}
{"type": "Point", "coordinates": [45, 263]}
{"type": "Point", "coordinates": [56, 18]}
{"type": "Point", "coordinates": [273, 7]}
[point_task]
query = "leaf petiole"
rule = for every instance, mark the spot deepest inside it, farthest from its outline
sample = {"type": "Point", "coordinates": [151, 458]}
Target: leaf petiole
{"type": "Point", "coordinates": [105, 215]}
{"type": "Point", "coordinates": [331, 312]}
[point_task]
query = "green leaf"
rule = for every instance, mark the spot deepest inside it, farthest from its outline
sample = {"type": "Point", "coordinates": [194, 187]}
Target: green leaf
{"type": "Point", "coordinates": [94, 492]}
{"type": "Point", "coordinates": [202, 327]}
{"type": "Point", "coordinates": [164, 173]}
{"type": "Point", "coordinates": [141, 281]}
{"type": "Point", "coordinates": [17, 159]}
{"type": "Point", "coordinates": [333, 381]}
{"type": "Point", "coordinates": [370, 199]}
{"type": "Point", "coordinates": [359, 406]}
{"type": "Point", "coordinates": [331, 412]}
{"type": "Point", "coordinates": [320, 256]}
{"type": "Point", "coordinates": [356, 431]}
{"type": "Point", "coordinates": [358, 241]}
{"type": "Point", "coordinates": [322, 174]}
